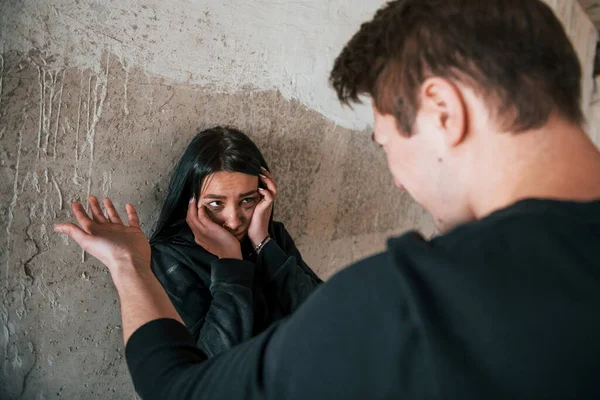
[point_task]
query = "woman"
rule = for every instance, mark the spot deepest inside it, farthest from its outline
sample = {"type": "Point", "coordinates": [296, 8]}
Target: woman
{"type": "Point", "coordinates": [229, 270]}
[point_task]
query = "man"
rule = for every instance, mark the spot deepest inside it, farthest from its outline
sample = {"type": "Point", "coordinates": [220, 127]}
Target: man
{"type": "Point", "coordinates": [477, 106]}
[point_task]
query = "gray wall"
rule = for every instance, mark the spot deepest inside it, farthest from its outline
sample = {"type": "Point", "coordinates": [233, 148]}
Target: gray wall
{"type": "Point", "coordinates": [102, 97]}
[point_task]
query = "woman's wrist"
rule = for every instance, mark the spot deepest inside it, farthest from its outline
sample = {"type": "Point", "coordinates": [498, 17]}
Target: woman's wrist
{"type": "Point", "coordinates": [235, 253]}
{"type": "Point", "coordinates": [255, 239]}
{"type": "Point", "coordinates": [258, 247]}
{"type": "Point", "coordinates": [232, 256]}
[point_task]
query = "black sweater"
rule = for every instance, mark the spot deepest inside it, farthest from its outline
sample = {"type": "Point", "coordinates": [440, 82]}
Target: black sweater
{"type": "Point", "coordinates": [226, 302]}
{"type": "Point", "coordinates": [504, 308]}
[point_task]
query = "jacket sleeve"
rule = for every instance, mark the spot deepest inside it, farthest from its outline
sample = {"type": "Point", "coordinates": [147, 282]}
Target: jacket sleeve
{"type": "Point", "coordinates": [328, 349]}
{"type": "Point", "coordinates": [220, 316]}
{"type": "Point", "coordinates": [289, 280]}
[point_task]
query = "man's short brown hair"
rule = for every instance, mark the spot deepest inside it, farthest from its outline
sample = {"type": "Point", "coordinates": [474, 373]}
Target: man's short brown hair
{"type": "Point", "coordinates": [515, 53]}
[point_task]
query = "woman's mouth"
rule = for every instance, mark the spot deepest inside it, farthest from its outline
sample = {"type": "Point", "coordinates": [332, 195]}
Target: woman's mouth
{"type": "Point", "coordinates": [239, 235]}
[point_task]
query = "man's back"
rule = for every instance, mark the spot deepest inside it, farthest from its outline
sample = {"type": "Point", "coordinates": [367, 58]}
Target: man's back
{"type": "Point", "coordinates": [508, 306]}
{"type": "Point", "coordinates": [505, 307]}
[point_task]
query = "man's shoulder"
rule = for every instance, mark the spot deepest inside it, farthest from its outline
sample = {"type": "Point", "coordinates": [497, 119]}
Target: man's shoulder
{"type": "Point", "coordinates": [533, 234]}
{"type": "Point", "coordinates": [511, 230]}
{"type": "Point", "coordinates": [412, 253]}
{"type": "Point", "coordinates": [374, 274]}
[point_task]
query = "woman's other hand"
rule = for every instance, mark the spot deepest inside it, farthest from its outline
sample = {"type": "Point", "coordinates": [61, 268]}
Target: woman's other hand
{"type": "Point", "coordinates": [213, 238]}
{"type": "Point", "coordinates": [259, 225]}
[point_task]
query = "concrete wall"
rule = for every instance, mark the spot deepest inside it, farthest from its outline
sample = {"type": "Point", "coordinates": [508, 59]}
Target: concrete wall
{"type": "Point", "coordinates": [594, 113]}
{"type": "Point", "coordinates": [102, 97]}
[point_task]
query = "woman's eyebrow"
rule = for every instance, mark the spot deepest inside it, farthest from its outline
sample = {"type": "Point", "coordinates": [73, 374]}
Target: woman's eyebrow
{"type": "Point", "coordinates": [249, 193]}
{"type": "Point", "coordinates": [214, 196]}
{"type": "Point", "coordinates": [217, 197]}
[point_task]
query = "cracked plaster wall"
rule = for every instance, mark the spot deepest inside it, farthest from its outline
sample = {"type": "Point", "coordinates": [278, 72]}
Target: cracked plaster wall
{"type": "Point", "coordinates": [101, 97]}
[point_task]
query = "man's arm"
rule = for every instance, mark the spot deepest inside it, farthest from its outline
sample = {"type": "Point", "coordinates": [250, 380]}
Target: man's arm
{"type": "Point", "coordinates": [141, 296]}
{"type": "Point", "coordinates": [126, 252]}
{"type": "Point", "coordinates": [352, 339]}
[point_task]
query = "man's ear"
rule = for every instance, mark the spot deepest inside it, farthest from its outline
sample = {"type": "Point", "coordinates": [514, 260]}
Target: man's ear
{"type": "Point", "coordinates": [446, 105]}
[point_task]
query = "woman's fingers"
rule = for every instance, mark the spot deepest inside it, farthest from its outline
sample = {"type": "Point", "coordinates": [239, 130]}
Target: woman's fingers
{"type": "Point", "coordinates": [97, 213]}
{"type": "Point", "coordinates": [192, 214]}
{"type": "Point", "coordinates": [203, 218]}
{"type": "Point", "coordinates": [266, 172]}
{"type": "Point", "coordinates": [267, 197]}
{"type": "Point", "coordinates": [196, 218]}
{"type": "Point", "coordinates": [132, 216]}
{"type": "Point", "coordinates": [113, 215]}
{"type": "Point", "coordinates": [269, 181]}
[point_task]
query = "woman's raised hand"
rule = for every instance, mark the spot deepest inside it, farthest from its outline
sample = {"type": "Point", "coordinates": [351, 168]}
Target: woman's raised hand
{"type": "Point", "coordinates": [259, 225]}
{"type": "Point", "coordinates": [211, 236]}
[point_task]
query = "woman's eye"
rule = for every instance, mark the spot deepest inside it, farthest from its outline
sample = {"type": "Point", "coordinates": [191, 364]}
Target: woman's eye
{"type": "Point", "coordinates": [214, 204]}
{"type": "Point", "coordinates": [249, 200]}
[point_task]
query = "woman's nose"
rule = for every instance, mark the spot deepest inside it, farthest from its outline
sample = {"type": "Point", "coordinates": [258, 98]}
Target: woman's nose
{"type": "Point", "coordinates": [233, 220]}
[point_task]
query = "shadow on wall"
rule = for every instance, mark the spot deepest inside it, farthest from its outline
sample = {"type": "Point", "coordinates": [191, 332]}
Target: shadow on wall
{"type": "Point", "coordinates": [71, 132]}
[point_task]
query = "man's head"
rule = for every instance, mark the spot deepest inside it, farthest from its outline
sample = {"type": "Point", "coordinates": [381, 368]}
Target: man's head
{"type": "Point", "coordinates": [445, 75]}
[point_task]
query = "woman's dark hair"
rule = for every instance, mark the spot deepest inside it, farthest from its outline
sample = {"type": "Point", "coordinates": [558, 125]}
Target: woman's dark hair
{"type": "Point", "coordinates": [212, 150]}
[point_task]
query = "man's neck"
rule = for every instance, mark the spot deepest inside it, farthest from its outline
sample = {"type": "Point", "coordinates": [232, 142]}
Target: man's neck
{"type": "Point", "coordinates": [557, 161]}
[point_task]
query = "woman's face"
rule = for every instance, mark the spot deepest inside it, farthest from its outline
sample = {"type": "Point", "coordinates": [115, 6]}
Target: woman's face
{"type": "Point", "coordinates": [230, 199]}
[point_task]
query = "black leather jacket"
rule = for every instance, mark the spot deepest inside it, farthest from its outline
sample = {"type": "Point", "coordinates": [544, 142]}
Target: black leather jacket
{"type": "Point", "coordinates": [224, 302]}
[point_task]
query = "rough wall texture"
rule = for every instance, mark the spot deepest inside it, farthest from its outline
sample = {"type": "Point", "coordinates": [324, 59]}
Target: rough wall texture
{"type": "Point", "coordinates": [594, 113]}
{"type": "Point", "coordinates": [584, 36]}
{"type": "Point", "coordinates": [102, 97]}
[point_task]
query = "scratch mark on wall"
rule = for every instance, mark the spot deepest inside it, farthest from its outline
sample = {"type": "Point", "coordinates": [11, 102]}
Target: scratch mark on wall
{"type": "Point", "coordinates": [33, 179]}
{"type": "Point", "coordinates": [106, 183]}
{"type": "Point", "coordinates": [37, 250]}
{"type": "Point", "coordinates": [1, 76]}
{"type": "Point", "coordinates": [125, 87]}
{"type": "Point", "coordinates": [87, 143]}
{"type": "Point", "coordinates": [75, 174]}
{"type": "Point", "coordinates": [45, 200]}
{"type": "Point", "coordinates": [29, 370]}
{"type": "Point", "coordinates": [60, 196]}
{"type": "Point", "coordinates": [42, 92]}
{"type": "Point", "coordinates": [48, 115]}
{"type": "Point", "coordinates": [5, 335]}
{"type": "Point", "coordinates": [167, 102]}
{"type": "Point", "coordinates": [13, 202]}
{"type": "Point", "coordinates": [62, 85]}
{"type": "Point", "coordinates": [100, 91]}
{"type": "Point", "coordinates": [101, 86]}
{"type": "Point", "coordinates": [89, 99]}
